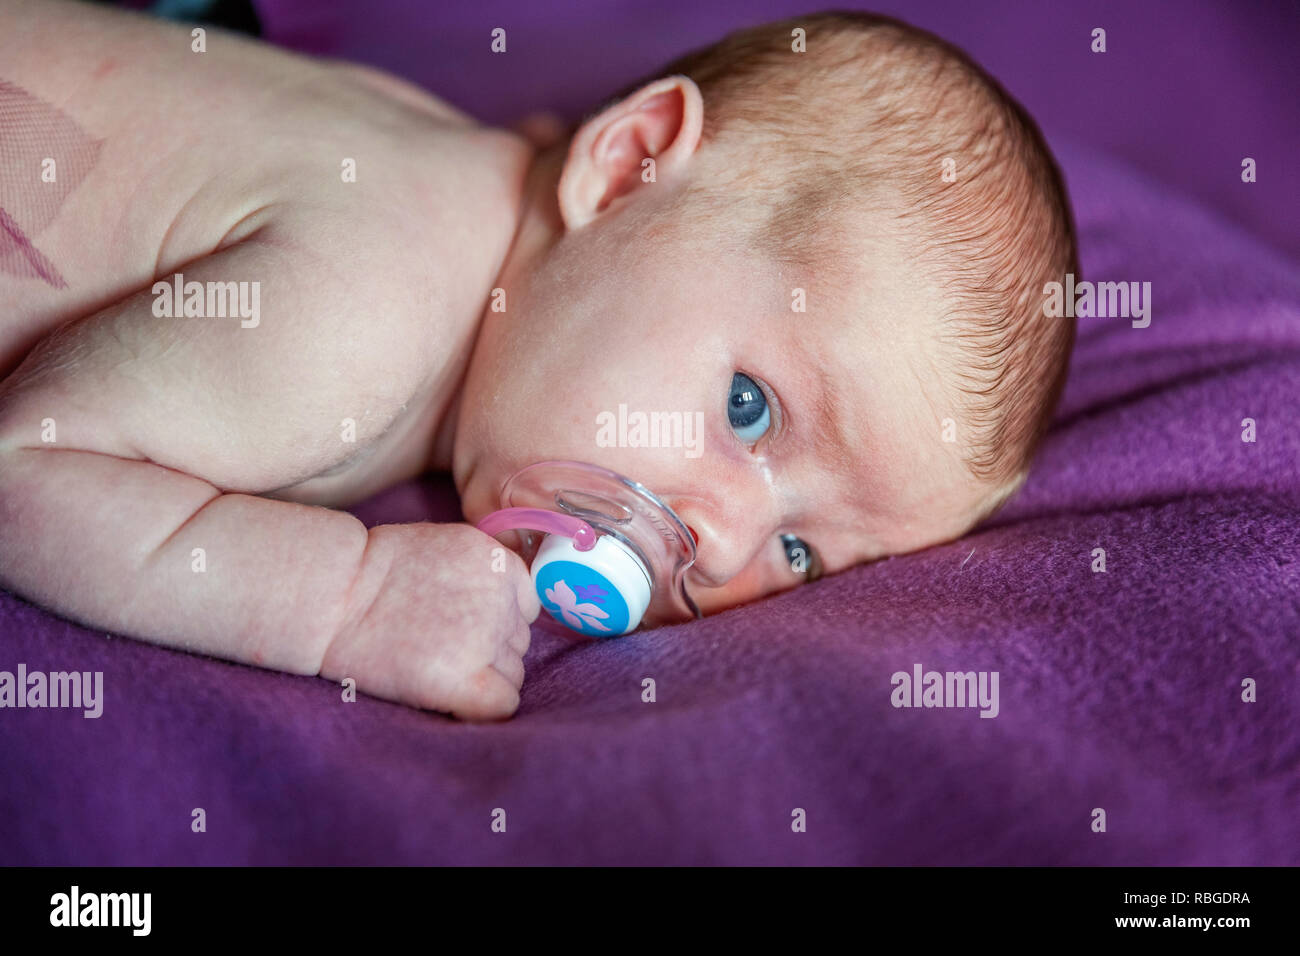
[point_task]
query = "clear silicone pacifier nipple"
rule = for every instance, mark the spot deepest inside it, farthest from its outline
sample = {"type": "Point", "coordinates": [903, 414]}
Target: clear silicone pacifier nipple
{"type": "Point", "coordinates": [606, 554]}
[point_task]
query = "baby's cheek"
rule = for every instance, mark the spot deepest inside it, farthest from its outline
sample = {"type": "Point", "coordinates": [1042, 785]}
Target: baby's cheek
{"type": "Point", "coordinates": [754, 582]}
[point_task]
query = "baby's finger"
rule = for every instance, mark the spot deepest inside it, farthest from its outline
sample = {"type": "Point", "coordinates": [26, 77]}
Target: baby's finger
{"type": "Point", "coordinates": [521, 638]}
{"type": "Point", "coordinates": [486, 695]}
{"type": "Point", "coordinates": [529, 605]}
{"type": "Point", "coordinates": [509, 666]}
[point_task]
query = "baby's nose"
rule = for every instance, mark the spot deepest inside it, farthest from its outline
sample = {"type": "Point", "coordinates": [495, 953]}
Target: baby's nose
{"type": "Point", "coordinates": [727, 536]}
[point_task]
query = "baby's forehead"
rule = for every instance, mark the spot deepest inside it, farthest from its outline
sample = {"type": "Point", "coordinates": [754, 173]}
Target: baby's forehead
{"type": "Point", "coordinates": [835, 264]}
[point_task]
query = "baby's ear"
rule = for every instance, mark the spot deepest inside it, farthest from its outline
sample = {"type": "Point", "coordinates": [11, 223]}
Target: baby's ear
{"type": "Point", "coordinates": [661, 121]}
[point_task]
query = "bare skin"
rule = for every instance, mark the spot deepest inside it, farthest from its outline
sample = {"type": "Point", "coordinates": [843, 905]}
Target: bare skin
{"type": "Point", "coordinates": [194, 423]}
{"type": "Point", "coordinates": [182, 434]}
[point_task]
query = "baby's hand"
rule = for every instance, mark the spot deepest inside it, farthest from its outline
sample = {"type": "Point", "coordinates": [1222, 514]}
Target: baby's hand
{"type": "Point", "coordinates": [439, 621]}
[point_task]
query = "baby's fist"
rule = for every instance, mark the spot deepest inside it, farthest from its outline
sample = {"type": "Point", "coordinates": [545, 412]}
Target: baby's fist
{"type": "Point", "coordinates": [438, 619]}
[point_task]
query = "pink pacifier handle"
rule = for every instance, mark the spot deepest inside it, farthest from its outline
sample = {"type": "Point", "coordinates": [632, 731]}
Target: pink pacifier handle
{"type": "Point", "coordinates": [535, 519]}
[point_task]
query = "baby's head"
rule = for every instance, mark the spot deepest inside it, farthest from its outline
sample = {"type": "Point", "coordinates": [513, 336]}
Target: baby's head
{"type": "Point", "coordinates": [835, 262]}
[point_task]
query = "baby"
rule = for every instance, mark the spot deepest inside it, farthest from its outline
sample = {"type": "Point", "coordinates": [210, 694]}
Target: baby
{"type": "Point", "coordinates": [828, 235]}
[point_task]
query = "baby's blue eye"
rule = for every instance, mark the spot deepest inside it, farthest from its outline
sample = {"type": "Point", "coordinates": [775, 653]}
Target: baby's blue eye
{"type": "Point", "coordinates": [801, 558]}
{"type": "Point", "coordinates": [747, 409]}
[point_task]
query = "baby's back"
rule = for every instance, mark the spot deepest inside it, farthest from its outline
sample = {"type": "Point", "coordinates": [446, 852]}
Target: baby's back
{"type": "Point", "coordinates": [131, 147]}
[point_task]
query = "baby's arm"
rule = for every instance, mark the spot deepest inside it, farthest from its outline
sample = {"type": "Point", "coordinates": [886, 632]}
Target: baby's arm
{"type": "Point", "coordinates": [164, 429]}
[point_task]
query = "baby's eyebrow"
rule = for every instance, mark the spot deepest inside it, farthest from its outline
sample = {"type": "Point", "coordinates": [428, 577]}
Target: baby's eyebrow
{"type": "Point", "coordinates": [829, 437]}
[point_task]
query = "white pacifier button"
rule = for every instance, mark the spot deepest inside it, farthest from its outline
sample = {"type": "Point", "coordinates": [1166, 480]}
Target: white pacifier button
{"type": "Point", "coordinates": [601, 593]}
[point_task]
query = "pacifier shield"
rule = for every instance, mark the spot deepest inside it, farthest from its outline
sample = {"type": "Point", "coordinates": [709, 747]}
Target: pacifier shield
{"type": "Point", "coordinates": [642, 547]}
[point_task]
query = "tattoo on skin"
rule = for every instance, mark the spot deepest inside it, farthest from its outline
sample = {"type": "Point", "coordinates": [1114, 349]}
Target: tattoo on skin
{"type": "Point", "coordinates": [32, 190]}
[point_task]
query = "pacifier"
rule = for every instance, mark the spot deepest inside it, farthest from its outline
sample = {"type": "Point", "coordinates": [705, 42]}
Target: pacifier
{"type": "Point", "coordinates": [606, 554]}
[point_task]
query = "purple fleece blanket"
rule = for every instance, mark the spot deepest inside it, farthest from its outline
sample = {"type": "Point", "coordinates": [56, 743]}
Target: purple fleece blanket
{"type": "Point", "coordinates": [1120, 691]}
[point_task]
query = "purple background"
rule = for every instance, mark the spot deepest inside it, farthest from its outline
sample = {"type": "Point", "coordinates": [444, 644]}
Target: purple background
{"type": "Point", "coordinates": [1118, 690]}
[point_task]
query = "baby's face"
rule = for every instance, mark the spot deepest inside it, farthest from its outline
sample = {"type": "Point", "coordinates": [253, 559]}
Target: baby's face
{"type": "Point", "coordinates": [841, 444]}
